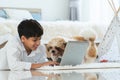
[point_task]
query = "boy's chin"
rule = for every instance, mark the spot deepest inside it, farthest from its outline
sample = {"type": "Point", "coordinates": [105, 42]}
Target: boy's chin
{"type": "Point", "coordinates": [34, 49]}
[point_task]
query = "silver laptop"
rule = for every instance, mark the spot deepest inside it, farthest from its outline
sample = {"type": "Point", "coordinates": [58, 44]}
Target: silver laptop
{"type": "Point", "coordinates": [72, 76]}
{"type": "Point", "coordinates": [74, 53]}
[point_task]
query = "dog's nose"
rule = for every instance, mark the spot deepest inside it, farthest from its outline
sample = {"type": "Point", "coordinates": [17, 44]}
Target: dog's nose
{"type": "Point", "coordinates": [53, 51]}
{"type": "Point", "coordinates": [97, 57]}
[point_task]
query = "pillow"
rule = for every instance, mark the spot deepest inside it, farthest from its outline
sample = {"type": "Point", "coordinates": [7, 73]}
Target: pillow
{"type": "Point", "coordinates": [3, 14]}
{"type": "Point", "coordinates": [36, 16]}
{"type": "Point", "coordinates": [18, 14]}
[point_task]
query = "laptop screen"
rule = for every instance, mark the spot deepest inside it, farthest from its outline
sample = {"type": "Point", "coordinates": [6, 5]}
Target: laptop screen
{"type": "Point", "coordinates": [74, 53]}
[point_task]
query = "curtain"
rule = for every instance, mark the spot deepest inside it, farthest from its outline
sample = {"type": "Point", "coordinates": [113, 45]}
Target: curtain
{"type": "Point", "coordinates": [73, 10]}
{"type": "Point", "coordinates": [98, 11]}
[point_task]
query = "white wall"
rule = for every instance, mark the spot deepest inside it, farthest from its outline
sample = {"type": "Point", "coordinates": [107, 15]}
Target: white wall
{"type": "Point", "coordinates": [51, 9]}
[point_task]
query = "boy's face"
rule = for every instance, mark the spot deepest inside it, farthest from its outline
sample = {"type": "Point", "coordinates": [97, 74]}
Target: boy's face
{"type": "Point", "coordinates": [31, 43]}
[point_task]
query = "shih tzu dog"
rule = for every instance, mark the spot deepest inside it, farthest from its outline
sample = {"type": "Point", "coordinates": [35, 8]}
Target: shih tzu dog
{"type": "Point", "coordinates": [55, 48]}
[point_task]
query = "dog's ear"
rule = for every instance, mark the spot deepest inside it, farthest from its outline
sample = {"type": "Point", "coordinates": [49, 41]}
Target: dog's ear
{"type": "Point", "coordinates": [46, 45]}
{"type": "Point", "coordinates": [48, 55]}
{"type": "Point", "coordinates": [65, 44]}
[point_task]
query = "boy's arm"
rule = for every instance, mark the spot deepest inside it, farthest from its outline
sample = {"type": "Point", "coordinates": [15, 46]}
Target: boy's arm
{"type": "Point", "coordinates": [44, 58]}
{"type": "Point", "coordinates": [14, 60]}
{"type": "Point", "coordinates": [38, 65]}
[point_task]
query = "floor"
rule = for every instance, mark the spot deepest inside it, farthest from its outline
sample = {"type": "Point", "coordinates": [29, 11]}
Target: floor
{"type": "Point", "coordinates": [79, 74]}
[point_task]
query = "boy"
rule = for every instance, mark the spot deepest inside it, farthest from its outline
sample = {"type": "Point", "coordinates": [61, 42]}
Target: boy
{"type": "Point", "coordinates": [24, 52]}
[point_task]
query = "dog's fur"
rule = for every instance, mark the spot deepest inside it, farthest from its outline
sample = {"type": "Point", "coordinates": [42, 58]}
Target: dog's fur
{"type": "Point", "coordinates": [91, 53]}
{"type": "Point", "coordinates": [91, 76]}
{"type": "Point", "coordinates": [55, 48]}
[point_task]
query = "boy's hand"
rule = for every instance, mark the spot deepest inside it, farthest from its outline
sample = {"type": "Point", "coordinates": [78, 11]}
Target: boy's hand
{"type": "Point", "coordinates": [51, 63]}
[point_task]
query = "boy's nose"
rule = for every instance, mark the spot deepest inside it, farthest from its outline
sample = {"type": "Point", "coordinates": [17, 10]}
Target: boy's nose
{"type": "Point", "coordinates": [38, 43]}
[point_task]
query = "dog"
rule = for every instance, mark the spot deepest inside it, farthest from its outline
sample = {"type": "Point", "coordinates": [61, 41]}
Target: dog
{"type": "Point", "coordinates": [91, 76]}
{"type": "Point", "coordinates": [91, 52]}
{"type": "Point", "coordinates": [55, 48]}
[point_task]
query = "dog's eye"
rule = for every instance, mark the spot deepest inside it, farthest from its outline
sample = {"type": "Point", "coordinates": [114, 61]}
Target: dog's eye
{"type": "Point", "coordinates": [50, 47]}
{"type": "Point", "coordinates": [59, 49]}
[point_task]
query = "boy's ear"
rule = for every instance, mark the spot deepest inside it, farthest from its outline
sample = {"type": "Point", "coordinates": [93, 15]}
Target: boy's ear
{"type": "Point", "coordinates": [23, 38]}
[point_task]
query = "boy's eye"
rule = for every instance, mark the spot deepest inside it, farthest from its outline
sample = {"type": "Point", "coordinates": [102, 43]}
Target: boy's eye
{"type": "Point", "coordinates": [38, 39]}
{"type": "Point", "coordinates": [35, 40]}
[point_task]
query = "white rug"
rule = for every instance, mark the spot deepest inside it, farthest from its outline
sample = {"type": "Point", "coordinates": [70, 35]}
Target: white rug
{"type": "Point", "coordinates": [83, 66]}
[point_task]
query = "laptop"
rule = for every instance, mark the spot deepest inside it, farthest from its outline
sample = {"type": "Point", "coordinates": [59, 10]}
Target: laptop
{"type": "Point", "coordinates": [74, 53]}
{"type": "Point", "coordinates": [72, 76]}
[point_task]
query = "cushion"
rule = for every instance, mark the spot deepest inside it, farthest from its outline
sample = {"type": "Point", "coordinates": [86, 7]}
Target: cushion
{"type": "Point", "coordinates": [36, 16]}
{"type": "Point", "coordinates": [18, 14]}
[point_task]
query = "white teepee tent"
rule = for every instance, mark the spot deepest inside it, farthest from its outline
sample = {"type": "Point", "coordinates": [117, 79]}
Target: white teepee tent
{"type": "Point", "coordinates": [112, 34]}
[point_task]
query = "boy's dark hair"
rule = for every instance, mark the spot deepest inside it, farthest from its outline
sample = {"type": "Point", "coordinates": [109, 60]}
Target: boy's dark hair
{"type": "Point", "coordinates": [30, 28]}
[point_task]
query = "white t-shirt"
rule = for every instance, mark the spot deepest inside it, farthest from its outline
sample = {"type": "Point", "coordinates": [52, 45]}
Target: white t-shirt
{"type": "Point", "coordinates": [14, 56]}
